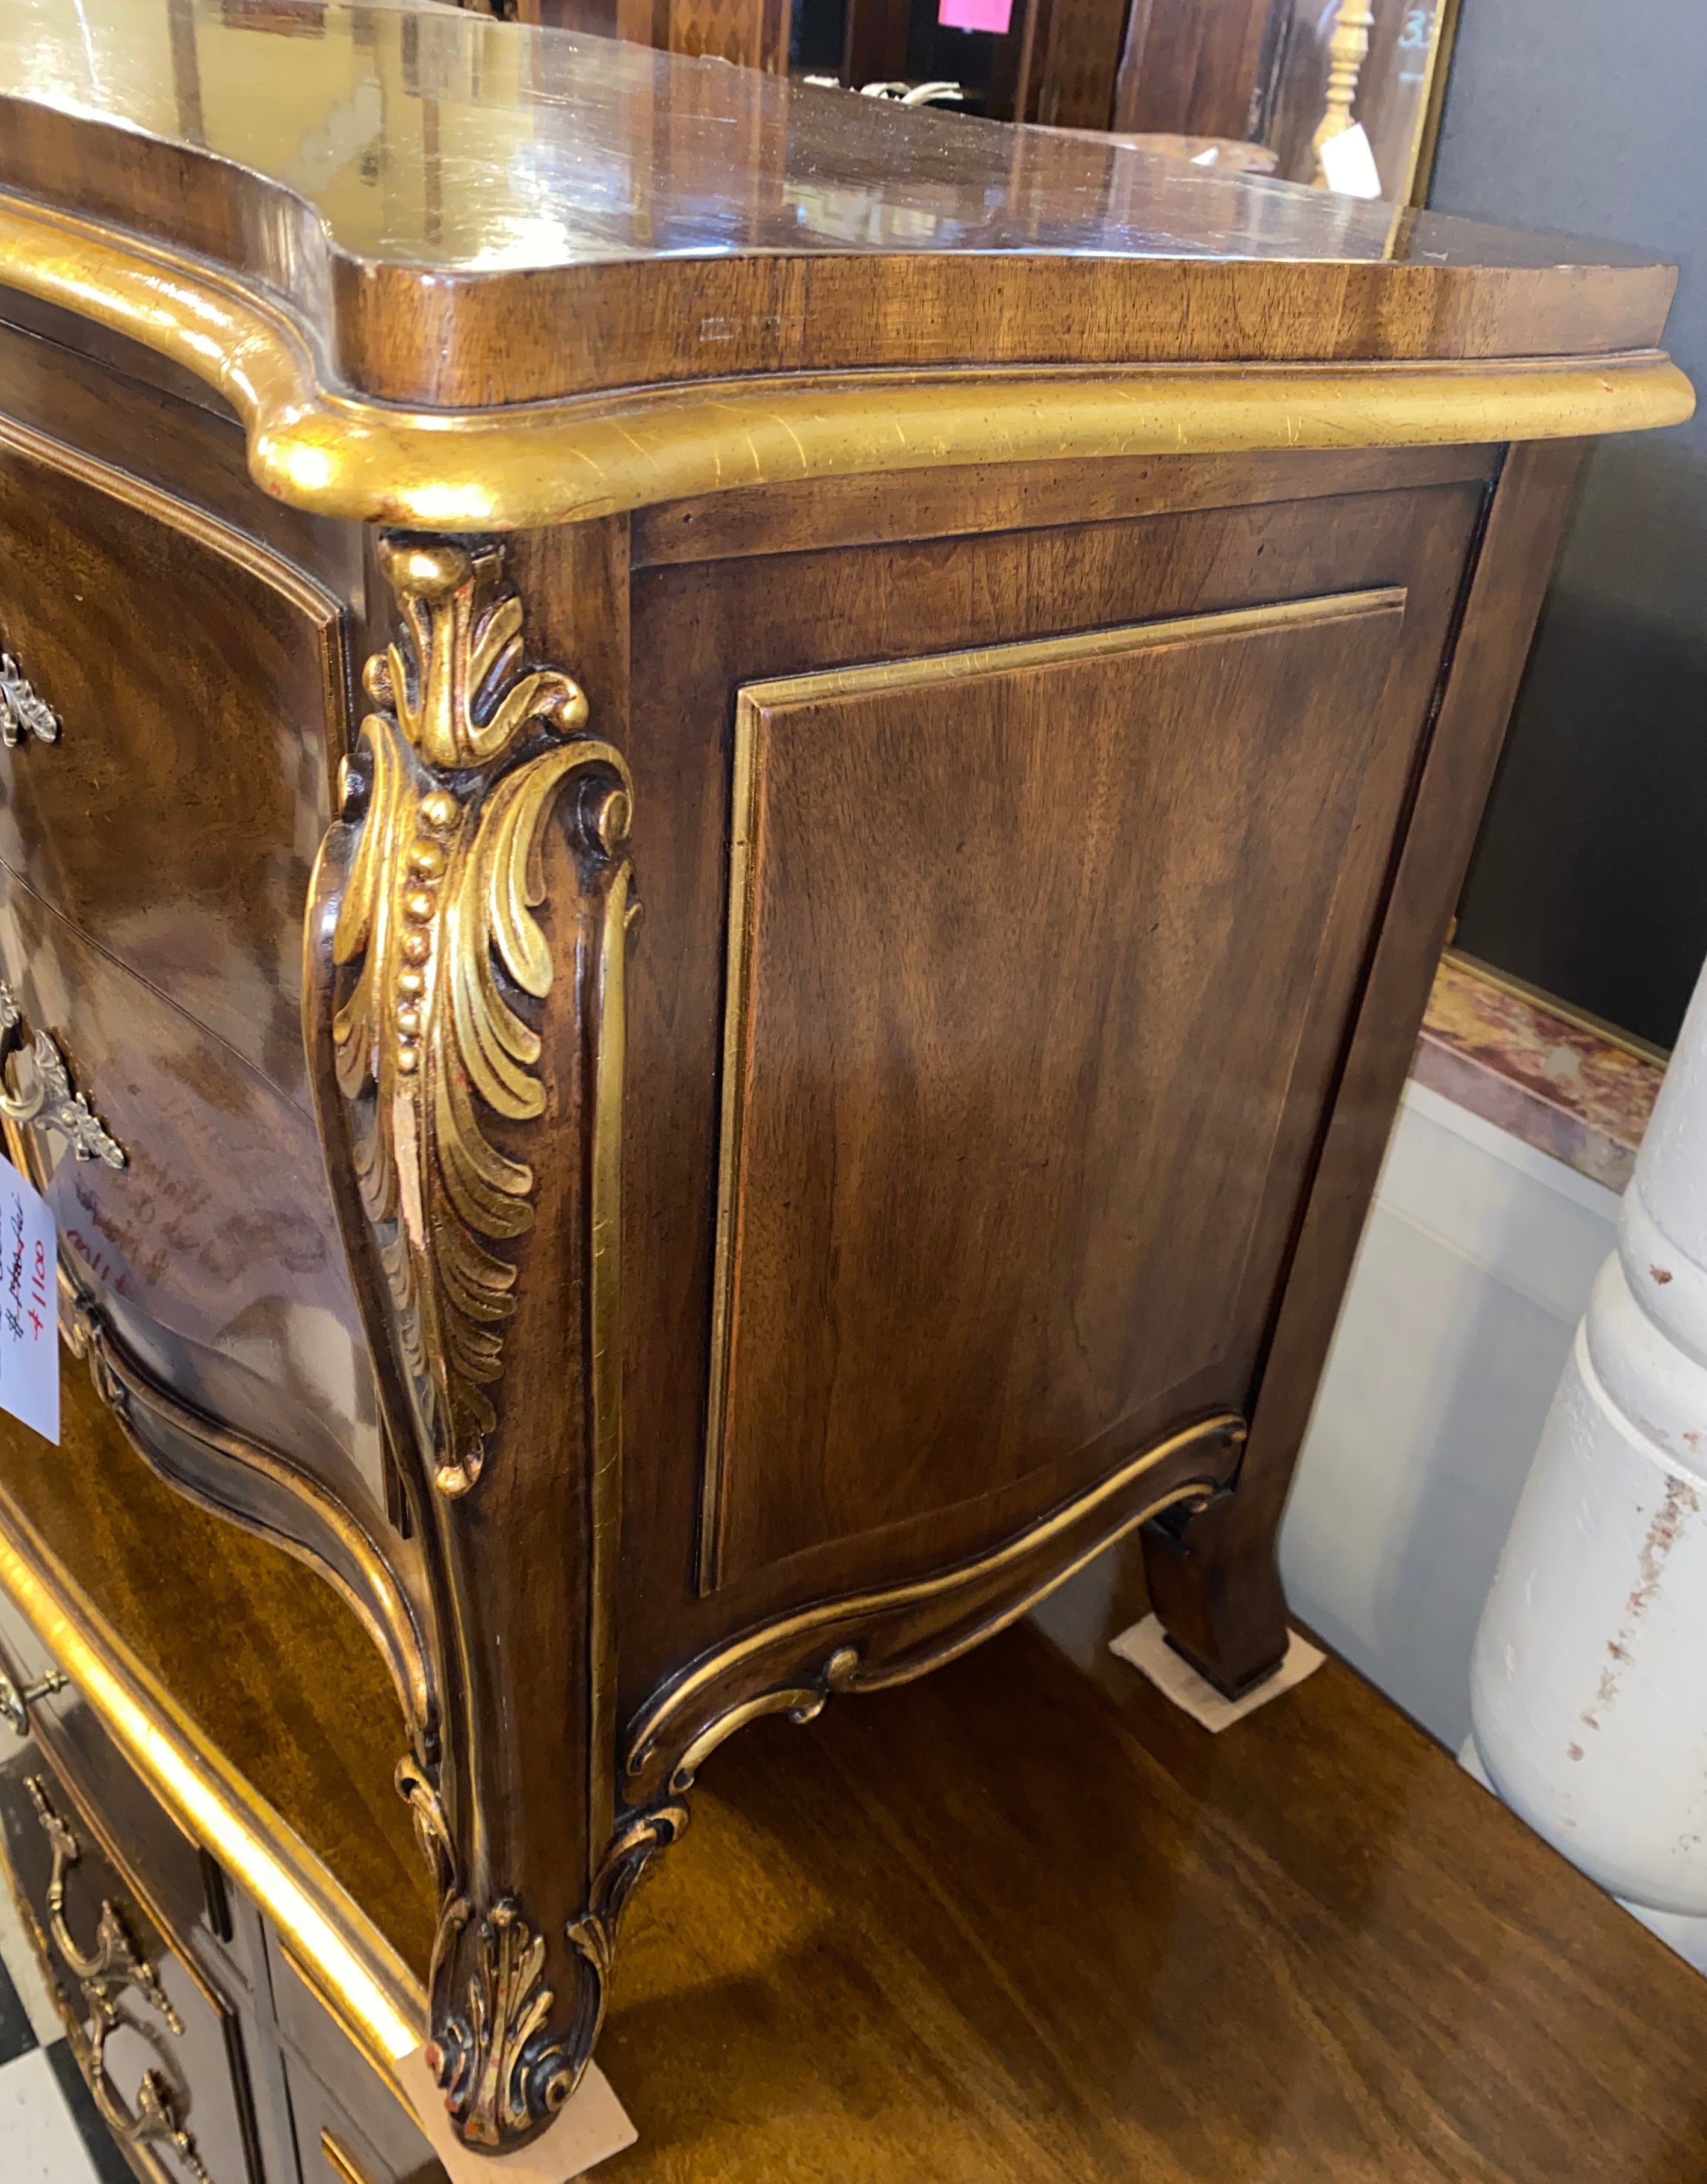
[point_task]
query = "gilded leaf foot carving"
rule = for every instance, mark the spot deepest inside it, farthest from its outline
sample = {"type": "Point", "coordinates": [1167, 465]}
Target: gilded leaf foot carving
{"type": "Point", "coordinates": [638, 1839]}
{"type": "Point", "coordinates": [503, 2070]}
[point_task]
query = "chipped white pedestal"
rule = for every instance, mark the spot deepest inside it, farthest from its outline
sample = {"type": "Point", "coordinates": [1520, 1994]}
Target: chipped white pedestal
{"type": "Point", "coordinates": [1588, 1683]}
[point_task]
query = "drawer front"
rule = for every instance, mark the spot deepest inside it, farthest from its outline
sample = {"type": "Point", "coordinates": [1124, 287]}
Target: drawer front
{"type": "Point", "coordinates": [195, 686]}
{"type": "Point", "coordinates": [185, 1884]}
{"type": "Point", "coordinates": [213, 1248]}
{"type": "Point", "coordinates": [160, 2045]}
{"type": "Point", "coordinates": [351, 2127]}
{"type": "Point", "coordinates": [333, 2147]}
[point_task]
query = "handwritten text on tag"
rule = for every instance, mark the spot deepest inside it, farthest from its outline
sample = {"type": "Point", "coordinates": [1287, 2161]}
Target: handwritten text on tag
{"type": "Point", "coordinates": [29, 1326]}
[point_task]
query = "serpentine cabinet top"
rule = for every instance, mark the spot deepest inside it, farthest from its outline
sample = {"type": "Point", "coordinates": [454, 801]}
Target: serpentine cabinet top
{"type": "Point", "coordinates": [465, 273]}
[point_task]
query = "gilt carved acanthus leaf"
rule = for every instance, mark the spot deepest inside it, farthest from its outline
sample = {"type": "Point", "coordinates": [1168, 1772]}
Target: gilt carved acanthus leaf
{"type": "Point", "coordinates": [466, 752]}
{"type": "Point", "coordinates": [493, 2052]}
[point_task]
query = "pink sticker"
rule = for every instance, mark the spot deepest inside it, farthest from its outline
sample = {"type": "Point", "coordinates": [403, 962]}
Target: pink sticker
{"type": "Point", "coordinates": [976, 15]}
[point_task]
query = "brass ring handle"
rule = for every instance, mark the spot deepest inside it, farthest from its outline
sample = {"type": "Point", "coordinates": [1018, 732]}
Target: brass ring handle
{"type": "Point", "coordinates": [51, 1104]}
{"type": "Point", "coordinates": [15, 1704]}
{"type": "Point", "coordinates": [104, 1973]}
{"type": "Point", "coordinates": [22, 712]}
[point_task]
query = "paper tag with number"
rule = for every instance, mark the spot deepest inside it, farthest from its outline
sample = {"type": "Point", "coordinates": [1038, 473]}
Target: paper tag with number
{"type": "Point", "coordinates": [29, 1323]}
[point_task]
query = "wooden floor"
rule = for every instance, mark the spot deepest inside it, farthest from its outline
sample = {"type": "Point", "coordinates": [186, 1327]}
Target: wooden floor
{"type": "Point", "coordinates": [1025, 1921]}
{"type": "Point", "coordinates": [1019, 1923]}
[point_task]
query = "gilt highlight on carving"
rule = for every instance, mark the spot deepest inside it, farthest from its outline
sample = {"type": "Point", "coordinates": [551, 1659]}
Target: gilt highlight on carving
{"type": "Point", "coordinates": [455, 772]}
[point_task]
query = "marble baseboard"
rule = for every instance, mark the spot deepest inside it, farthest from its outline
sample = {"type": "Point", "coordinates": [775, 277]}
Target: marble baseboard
{"type": "Point", "coordinates": [1564, 1085]}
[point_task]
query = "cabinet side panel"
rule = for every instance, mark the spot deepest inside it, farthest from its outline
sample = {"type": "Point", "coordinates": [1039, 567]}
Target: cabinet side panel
{"type": "Point", "coordinates": [700, 633]}
{"type": "Point", "coordinates": [1015, 1121]}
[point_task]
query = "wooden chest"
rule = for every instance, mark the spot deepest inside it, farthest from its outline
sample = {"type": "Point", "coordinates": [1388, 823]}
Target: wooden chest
{"type": "Point", "coordinates": [716, 880]}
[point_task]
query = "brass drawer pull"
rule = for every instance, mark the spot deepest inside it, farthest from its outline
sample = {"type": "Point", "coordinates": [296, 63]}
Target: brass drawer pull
{"type": "Point", "coordinates": [15, 1704]}
{"type": "Point", "coordinates": [52, 1105]}
{"type": "Point", "coordinates": [22, 713]}
{"type": "Point", "coordinates": [104, 1974]}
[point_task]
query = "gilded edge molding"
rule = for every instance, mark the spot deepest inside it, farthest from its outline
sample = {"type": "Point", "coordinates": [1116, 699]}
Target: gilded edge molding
{"type": "Point", "coordinates": [453, 1034]}
{"type": "Point", "coordinates": [563, 461]}
{"type": "Point", "coordinates": [866, 1641]}
{"type": "Point", "coordinates": [753, 700]}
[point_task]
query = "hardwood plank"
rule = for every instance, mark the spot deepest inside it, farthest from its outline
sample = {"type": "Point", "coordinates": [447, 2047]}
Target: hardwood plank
{"type": "Point", "coordinates": [1022, 1924]}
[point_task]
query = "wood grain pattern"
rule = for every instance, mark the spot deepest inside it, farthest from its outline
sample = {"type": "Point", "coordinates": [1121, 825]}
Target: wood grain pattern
{"type": "Point", "coordinates": [1215, 1583]}
{"type": "Point", "coordinates": [1074, 54]}
{"type": "Point", "coordinates": [122, 405]}
{"type": "Point", "coordinates": [874, 42]}
{"type": "Point", "coordinates": [1194, 66]}
{"type": "Point", "coordinates": [215, 1249]}
{"type": "Point", "coordinates": [699, 632]}
{"type": "Point", "coordinates": [200, 685]}
{"type": "Point", "coordinates": [1007, 1926]}
{"type": "Point", "coordinates": [751, 33]}
{"type": "Point", "coordinates": [1062, 1038]}
{"type": "Point", "coordinates": [292, 1693]}
{"type": "Point", "coordinates": [958, 499]}
{"type": "Point", "coordinates": [992, 1928]}
{"type": "Point", "coordinates": [578, 334]}
{"type": "Point", "coordinates": [986, 1213]}
{"type": "Point", "coordinates": [410, 334]}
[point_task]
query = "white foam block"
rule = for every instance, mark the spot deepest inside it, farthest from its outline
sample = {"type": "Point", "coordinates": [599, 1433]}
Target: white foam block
{"type": "Point", "coordinates": [594, 2125]}
{"type": "Point", "coordinates": [1146, 1647]}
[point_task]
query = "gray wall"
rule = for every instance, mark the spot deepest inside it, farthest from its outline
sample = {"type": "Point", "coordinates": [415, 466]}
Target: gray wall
{"type": "Point", "coordinates": [1589, 117]}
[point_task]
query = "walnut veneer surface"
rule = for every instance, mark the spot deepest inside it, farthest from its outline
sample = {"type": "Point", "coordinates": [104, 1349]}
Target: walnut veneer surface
{"type": "Point", "coordinates": [1024, 1923]}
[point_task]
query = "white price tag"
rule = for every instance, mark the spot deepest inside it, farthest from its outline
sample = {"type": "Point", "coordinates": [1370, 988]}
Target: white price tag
{"type": "Point", "coordinates": [28, 1319]}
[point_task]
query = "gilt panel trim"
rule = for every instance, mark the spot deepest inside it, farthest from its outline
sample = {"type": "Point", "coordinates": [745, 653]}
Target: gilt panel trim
{"type": "Point", "coordinates": [867, 1640]}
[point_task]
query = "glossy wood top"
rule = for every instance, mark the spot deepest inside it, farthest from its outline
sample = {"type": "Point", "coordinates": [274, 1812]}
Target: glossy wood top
{"type": "Point", "coordinates": [465, 211]}
{"type": "Point", "coordinates": [428, 137]}
{"type": "Point", "coordinates": [1021, 1923]}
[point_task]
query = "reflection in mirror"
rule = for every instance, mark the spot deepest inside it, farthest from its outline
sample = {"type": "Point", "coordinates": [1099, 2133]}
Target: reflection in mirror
{"type": "Point", "coordinates": [1253, 84]}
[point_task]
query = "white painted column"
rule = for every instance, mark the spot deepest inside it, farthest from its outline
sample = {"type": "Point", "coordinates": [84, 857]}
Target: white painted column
{"type": "Point", "coordinates": [1589, 1684]}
